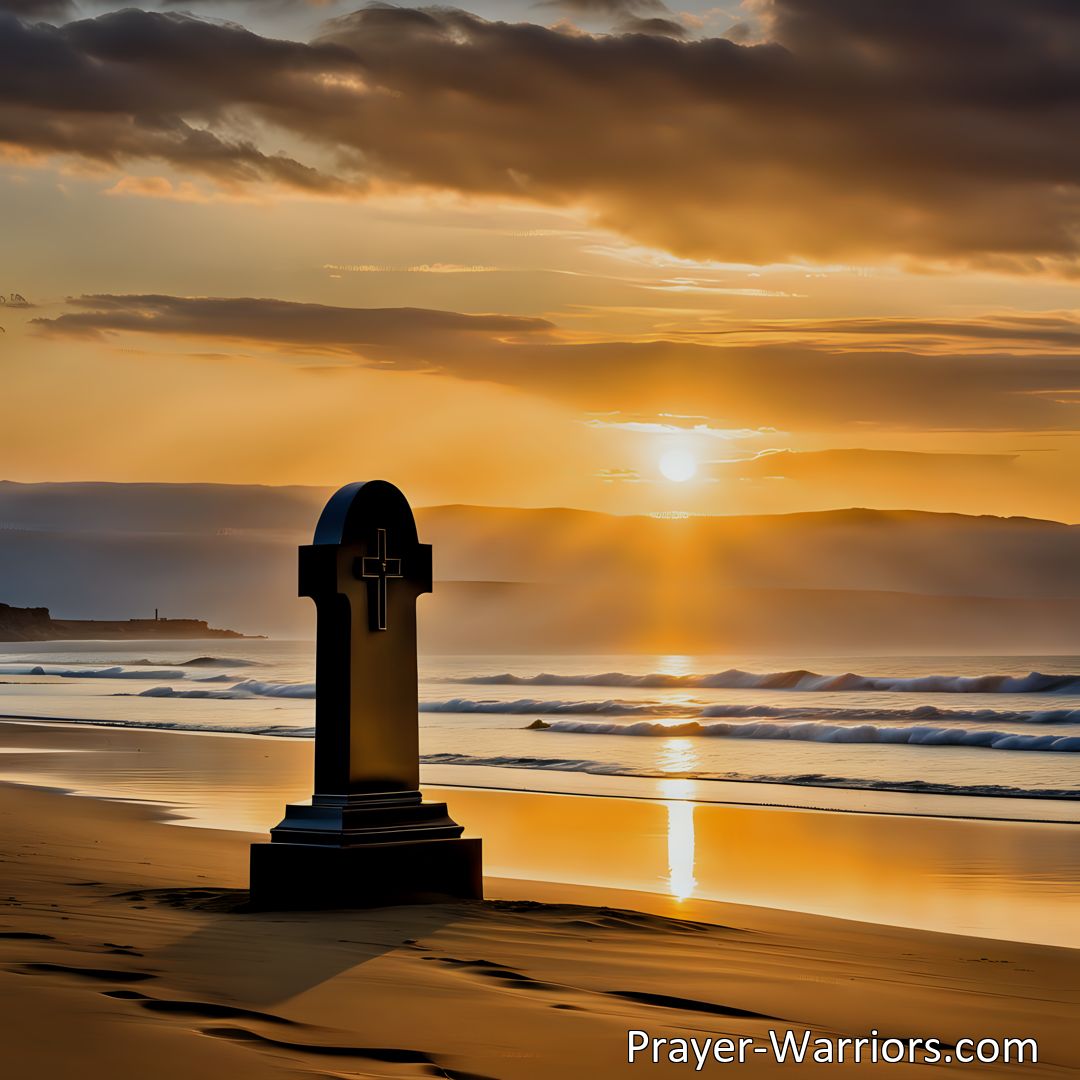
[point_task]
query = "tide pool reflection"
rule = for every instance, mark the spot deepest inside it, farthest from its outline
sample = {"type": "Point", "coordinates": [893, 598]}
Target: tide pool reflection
{"type": "Point", "coordinates": [680, 839]}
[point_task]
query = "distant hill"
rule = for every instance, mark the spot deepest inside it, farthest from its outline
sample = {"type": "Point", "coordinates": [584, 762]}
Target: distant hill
{"type": "Point", "coordinates": [544, 579]}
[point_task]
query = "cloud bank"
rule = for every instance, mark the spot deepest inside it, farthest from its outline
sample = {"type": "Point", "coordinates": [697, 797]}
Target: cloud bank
{"type": "Point", "coordinates": [784, 385]}
{"type": "Point", "coordinates": [399, 335]}
{"type": "Point", "coordinates": [39, 9]}
{"type": "Point", "coordinates": [853, 132]}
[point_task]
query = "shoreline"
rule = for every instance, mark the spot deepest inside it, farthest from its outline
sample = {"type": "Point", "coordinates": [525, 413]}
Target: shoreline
{"type": "Point", "coordinates": [1006, 879]}
{"type": "Point", "coordinates": [694, 788]}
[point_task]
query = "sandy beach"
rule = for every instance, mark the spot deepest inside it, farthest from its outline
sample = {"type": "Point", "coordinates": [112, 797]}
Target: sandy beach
{"type": "Point", "coordinates": [127, 934]}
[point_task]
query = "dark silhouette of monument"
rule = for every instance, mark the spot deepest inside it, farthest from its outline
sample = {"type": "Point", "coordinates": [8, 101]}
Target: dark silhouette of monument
{"type": "Point", "coordinates": [367, 838]}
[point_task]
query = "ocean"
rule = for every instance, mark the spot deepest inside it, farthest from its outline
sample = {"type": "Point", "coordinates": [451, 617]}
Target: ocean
{"type": "Point", "coordinates": [979, 735]}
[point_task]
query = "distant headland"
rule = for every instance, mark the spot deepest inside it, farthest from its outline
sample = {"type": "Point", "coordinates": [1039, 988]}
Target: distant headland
{"type": "Point", "coordinates": [37, 624]}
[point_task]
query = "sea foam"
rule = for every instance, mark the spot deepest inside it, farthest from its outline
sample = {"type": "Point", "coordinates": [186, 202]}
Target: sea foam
{"type": "Point", "coordinates": [247, 689]}
{"type": "Point", "coordinates": [812, 731]}
{"type": "Point", "coordinates": [115, 672]}
{"type": "Point", "coordinates": [610, 707]}
{"type": "Point", "coordinates": [596, 768]}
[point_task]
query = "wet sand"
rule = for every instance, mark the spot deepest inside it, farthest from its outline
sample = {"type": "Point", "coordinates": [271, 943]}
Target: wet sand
{"type": "Point", "coordinates": [126, 952]}
{"type": "Point", "coordinates": [1017, 880]}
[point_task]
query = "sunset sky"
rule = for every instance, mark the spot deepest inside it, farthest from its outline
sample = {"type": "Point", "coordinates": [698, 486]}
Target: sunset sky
{"type": "Point", "coordinates": [824, 253]}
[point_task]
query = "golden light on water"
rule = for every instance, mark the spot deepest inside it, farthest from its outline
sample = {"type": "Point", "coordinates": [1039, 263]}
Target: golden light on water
{"type": "Point", "coordinates": [676, 755]}
{"type": "Point", "coordinates": [674, 665]}
{"type": "Point", "coordinates": [680, 837]}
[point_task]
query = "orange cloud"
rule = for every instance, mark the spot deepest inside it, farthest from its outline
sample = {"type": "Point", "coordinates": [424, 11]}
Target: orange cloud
{"type": "Point", "coordinates": [158, 187]}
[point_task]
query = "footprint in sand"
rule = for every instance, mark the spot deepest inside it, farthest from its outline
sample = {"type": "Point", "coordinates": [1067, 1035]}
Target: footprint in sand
{"type": "Point", "coordinates": [101, 974]}
{"type": "Point", "coordinates": [119, 950]}
{"type": "Point", "coordinates": [663, 1001]}
{"type": "Point", "coordinates": [508, 977]}
{"type": "Point", "coordinates": [211, 1010]}
{"type": "Point", "coordinates": [383, 1054]}
{"type": "Point", "coordinates": [487, 969]}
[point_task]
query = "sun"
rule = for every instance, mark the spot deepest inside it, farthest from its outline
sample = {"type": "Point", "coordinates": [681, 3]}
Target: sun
{"type": "Point", "coordinates": [678, 465]}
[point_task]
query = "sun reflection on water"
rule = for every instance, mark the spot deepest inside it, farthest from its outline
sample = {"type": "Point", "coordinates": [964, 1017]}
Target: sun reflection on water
{"type": "Point", "coordinates": [676, 755]}
{"type": "Point", "coordinates": [680, 838]}
{"type": "Point", "coordinates": [674, 664]}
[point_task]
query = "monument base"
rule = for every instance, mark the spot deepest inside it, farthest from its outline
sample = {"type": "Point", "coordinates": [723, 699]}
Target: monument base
{"type": "Point", "coordinates": [307, 876]}
{"type": "Point", "coordinates": [365, 818]}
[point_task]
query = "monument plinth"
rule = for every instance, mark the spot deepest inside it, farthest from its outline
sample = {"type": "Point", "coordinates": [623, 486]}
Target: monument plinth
{"type": "Point", "coordinates": [368, 837]}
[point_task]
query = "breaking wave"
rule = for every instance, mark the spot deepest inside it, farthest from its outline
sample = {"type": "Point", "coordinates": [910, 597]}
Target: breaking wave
{"type": "Point", "coordinates": [1034, 682]}
{"type": "Point", "coordinates": [812, 731]}
{"type": "Point", "coordinates": [252, 688]}
{"type": "Point", "coordinates": [195, 661]}
{"type": "Point", "coordinates": [616, 707]}
{"type": "Point", "coordinates": [553, 708]}
{"type": "Point", "coordinates": [514, 761]}
{"type": "Point", "coordinates": [115, 672]}
{"type": "Point", "coordinates": [216, 661]}
{"type": "Point", "coordinates": [130, 669]}
{"type": "Point", "coordinates": [247, 689]}
{"type": "Point", "coordinates": [920, 712]}
{"type": "Point", "coordinates": [597, 768]}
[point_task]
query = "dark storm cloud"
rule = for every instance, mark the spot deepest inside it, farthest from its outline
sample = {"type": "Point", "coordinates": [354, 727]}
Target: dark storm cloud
{"type": "Point", "coordinates": [849, 137]}
{"type": "Point", "coordinates": [147, 85]}
{"type": "Point", "coordinates": [39, 9]}
{"type": "Point", "coordinates": [858, 131]}
{"type": "Point", "coordinates": [607, 7]}
{"type": "Point", "coordinates": [662, 27]}
{"type": "Point", "coordinates": [262, 5]}
{"type": "Point", "coordinates": [775, 385]}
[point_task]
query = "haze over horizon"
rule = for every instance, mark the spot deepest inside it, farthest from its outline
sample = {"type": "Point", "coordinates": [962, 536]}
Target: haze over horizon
{"type": "Point", "coordinates": [793, 255]}
{"type": "Point", "coordinates": [61, 498]}
{"type": "Point", "coordinates": [558, 579]}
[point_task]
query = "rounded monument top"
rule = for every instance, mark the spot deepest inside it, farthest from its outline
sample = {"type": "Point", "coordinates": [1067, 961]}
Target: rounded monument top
{"type": "Point", "coordinates": [354, 510]}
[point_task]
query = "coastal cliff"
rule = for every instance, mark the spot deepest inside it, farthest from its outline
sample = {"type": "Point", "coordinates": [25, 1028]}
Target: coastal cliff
{"type": "Point", "coordinates": [37, 624]}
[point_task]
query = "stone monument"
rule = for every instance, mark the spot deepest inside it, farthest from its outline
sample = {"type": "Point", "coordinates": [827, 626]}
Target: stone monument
{"type": "Point", "coordinates": [367, 838]}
